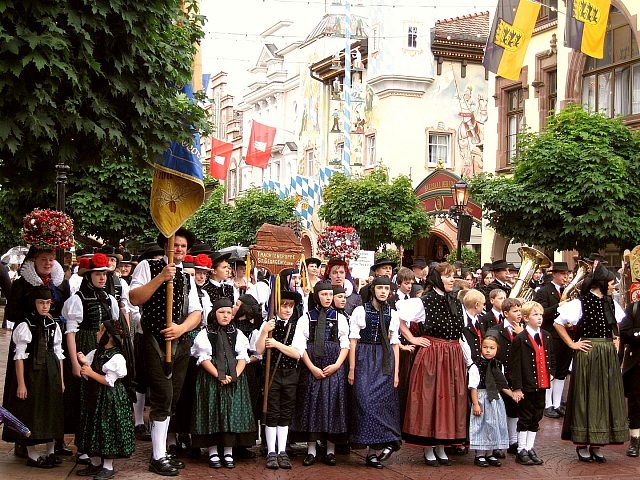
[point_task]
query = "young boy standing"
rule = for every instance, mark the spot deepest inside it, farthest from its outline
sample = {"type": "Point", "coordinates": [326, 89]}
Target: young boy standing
{"type": "Point", "coordinates": [494, 316]}
{"type": "Point", "coordinates": [532, 368]}
{"type": "Point", "coordinates": [287, 349]}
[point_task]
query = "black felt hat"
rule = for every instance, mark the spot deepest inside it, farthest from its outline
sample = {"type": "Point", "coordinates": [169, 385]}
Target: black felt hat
{"type": "Point", "coordinates": [200, 247]}
{"type": "Point", "coordinates": [314, 260]}
{"type": "Point", "coordinates": [150, 252]}
{"type": "Point", "coordinates": [382, 261]}
{"type": "Point", "coordinates": [559, 267]}
{"type": "Point", "coordinates": [287, 295]}
{"type": "Point", "coordinates": [161, 240]}
{"type": "Point", "coordinates": [218, 257]}
{"type": "Point", "coordinates": [499, 265]}
{"type": "Point", "coordinates": [419, 262]}
{"type": "Point", "coordinates": [127, 258]}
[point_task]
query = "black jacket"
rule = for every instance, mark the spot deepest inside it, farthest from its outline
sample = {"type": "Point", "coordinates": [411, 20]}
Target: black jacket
{"type": "Point", "coordinates": [522, 364]}
{"type": "Point", "coordinates": [630, 338]}
{"type": "Point", "coordinates": [549, 298]}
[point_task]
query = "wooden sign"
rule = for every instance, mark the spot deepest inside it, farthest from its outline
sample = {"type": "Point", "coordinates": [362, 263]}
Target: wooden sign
{"type": "Point", "coordinates": [276, 248]}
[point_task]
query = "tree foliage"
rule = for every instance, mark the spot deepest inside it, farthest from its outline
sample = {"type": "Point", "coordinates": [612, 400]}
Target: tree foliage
{"type": "Point", "coordinates": [574, 186]}
{"type": "Point", "coordinates": [381, 211]}
{"type": "Point", "coordinates": [91, 83]}
{"type": "Point", "coordinates": [222, 225]}
{"type": "Point", "coordinates": [469, 258]}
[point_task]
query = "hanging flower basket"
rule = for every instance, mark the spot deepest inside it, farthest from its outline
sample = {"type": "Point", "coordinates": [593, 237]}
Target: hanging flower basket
{"type": "Point", "coordinates": [339, 242]}
{"type": "Point", "coordinates": [48, 229]}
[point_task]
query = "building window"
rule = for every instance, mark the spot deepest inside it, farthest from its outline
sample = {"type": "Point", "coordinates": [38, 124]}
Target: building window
{"type": "Point", "coordinates": [274, 170]}
{"type": "Point", "coordinates": [439, 149]}
{"type": "Point", "coordinates": [412, 36]}
{"type": "Point", "coordinates": [309, 162]}
{"type": "Point", "coordinates": [515, 115]}
{"type": "Point", "coordinates": [611, 85]}
{"type": "Point", "coordinates": [370, 156]}
{"type": "Point", "coordinates": [232, 183]}
{"type": "Point", "coordinates": [548, 11]}
{"type": "Point", "coordinates": [552, 92]}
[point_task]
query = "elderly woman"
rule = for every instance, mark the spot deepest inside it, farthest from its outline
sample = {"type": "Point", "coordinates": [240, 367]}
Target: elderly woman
{"type": "Point", "coordinates": [39, 268]}
{"type": "Point", "coordinates": [436, 412]}
{"type": "Point", "coordinates": [595, 414]}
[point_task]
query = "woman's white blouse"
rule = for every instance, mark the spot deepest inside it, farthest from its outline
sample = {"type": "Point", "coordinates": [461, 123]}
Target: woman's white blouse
{"type": "Point", "coordinates": [358, 322]}
{"type": "Point", "coordinates": [302, 328]}
{"type": "Point", "coordinates": [202, 349]}
{"type": "Point", "coordinates": [22, 338]}
{"type": "Point", "coordinates": [571, 312]}
{"type": "Point", "coordinates": [411, 311]}
{"type": "Point", "coordinates": [73, 311]}
{"type": "Point", "coordinates": [114, 369]}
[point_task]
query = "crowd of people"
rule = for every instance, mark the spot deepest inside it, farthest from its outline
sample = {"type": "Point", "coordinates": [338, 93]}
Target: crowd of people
{"type": "Point", "coordinates": [435, 356]}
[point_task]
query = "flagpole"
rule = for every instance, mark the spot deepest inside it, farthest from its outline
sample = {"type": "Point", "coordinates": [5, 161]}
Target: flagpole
{"type": "Point", "coordinates": [346, 160]}
{"type": "Point", "coordinates": [169, 311]}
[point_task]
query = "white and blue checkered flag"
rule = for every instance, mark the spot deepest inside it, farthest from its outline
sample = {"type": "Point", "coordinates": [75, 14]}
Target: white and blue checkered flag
{"type": "Point", "coordinates": [305, 191]}
{"type": "Point", "coordinates": [324, 175]}
{"type": "Point", "coordinates": [271, 186]}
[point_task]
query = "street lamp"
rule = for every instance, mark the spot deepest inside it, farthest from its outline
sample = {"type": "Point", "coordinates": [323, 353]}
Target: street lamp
{"type": "Point", "coordinates": [61, 180]}
{"type": "Point", "coordinates": [460, 194]}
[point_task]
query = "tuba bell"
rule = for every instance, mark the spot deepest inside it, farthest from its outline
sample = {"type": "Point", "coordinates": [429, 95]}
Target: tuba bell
{"type": "Point", "coordinates": [571, 291]}
{"type": "Point", "coordinates": [532, 259]}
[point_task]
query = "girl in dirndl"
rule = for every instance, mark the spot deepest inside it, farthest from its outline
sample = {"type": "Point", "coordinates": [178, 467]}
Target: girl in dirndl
{"type": "Point", "coordinates": [595, 414]}
{"type": "Point", "coordinates": [487, 422]}
{"type": "Point", "coordinates": [373, 372]}
{"type": "Point", "coordinates": [107, 417]}
{"type": "Point", "coordinates": [436, 412]}
{"type": "Point", "coordinates": [222, 413]}
{"type": "Point", "coordinates": [321, 404]}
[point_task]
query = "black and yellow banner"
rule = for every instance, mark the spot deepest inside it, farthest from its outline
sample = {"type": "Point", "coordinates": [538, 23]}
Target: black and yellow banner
{"type": "Point", "coordinates": [586, 26]}
{"type": "Point", "coordinates": [510, 35]}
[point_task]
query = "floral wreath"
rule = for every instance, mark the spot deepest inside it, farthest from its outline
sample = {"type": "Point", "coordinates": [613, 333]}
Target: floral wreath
{"type": "Point", "coordinates": [339, 243]}
{"type": "Point", "coordinates": [48, 229]}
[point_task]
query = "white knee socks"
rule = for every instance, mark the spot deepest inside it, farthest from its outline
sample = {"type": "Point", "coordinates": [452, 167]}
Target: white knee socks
{"type": "Point", "coordinates": [282, 433]}
{"type": "Point", "coordinates": [522, 441]}
{"type": "Point", "coordinates": [159, 438]}
{"type": "Point", "coordinates": [557, 387]}
{"type": "Point", "coordinates": [331, 447]}
{"type": "Point", "coordinates": [311, 448]}
{"type": "Point", "coordinates": [512, 428]}
{"type": "Point", "coordinates": [439, 450]}
{"type": "Point", "coordinates": [270, 438]}
{"type": "Point", "coordinates": [548, 398]}
{"type": "Point", "coordinates": [138, 409]}
{"type": "Point", "coordinates": [531, 439]}
{"type": "Point", "coordinates": [107, 463]}
{"type": "Point", "coordinates": [50, 447]}
{"type": "Point", "coordinates": [428, 453]}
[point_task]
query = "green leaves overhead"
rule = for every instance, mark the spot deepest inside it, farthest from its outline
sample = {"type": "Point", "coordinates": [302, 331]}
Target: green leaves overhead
{"type": "Point", "coordinates": [382, 212]}
{"type": "Point", "coordinates": [574, 186]}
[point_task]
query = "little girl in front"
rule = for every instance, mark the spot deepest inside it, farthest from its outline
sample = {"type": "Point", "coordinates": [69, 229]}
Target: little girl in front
{"type": "Point", "coordinates": [488, 419]}
{"type": "Point", "coordinates": [107, 415]}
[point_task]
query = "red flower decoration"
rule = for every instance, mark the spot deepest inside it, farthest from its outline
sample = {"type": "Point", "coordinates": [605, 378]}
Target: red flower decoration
{"type": "Point", "coordinates": [100, 260]}
{"type": "Point", "coordinates": [48, 229]}
{"type": "Point", "coordinates": [84, 263]}
{"type": "Point", "coordinates": [339, 242]}
{"type": "Point", "coordinates": [203, 260]}
{"type": "Point", "coordinates": [188, 259]}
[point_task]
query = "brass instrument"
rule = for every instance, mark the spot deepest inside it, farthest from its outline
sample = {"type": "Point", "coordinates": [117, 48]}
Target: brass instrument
{"type": "Point", "coordinates": [532, 259]}
{"type": "Point", "coordinates": [571, 291]}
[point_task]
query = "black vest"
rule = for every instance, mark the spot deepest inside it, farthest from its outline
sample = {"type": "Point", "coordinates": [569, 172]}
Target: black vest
{"type": "Point", "coordinates": [94, 310]}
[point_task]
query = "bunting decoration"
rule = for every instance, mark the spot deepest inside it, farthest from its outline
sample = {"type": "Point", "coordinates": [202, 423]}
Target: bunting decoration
{"type": "Point", "coordinates": [509, 38]}
{"type": "Point", "coordinates": [260, 144]}
{"type": "Point", "coordinates": [177, 190]}
{"type": "Point", "coordinates": [306, 192]}
{"type": "Point", "coordinates": [586, 26]}
{"type": "Point", "coordinates": [220, 158]}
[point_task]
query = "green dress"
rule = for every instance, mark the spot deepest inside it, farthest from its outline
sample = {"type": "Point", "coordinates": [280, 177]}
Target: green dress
{"type": "Point", "coordinates": [106, 415]}
{"type": "Point", "coordinates": [223, 414]}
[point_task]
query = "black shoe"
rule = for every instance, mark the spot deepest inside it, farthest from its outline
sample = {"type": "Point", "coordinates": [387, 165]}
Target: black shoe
{"type": "Point", "coordinates": [330, 459]}
{"type": "Point", "coordinates": [597, 456]}
{"type": "Point", "coordinates": [460, 450]}
{"type": "Point", "coordinates": [443, 461]}
{"type": "Point", "coordinates": [534, 457]}
{"type": "Point", "coordinates": [82, 461]}
{"type": "Point", "coordinates": [214, 461]}
{"type": "Point", "coordinates": [561, 410]}
{"type": "Point", "coordinates": [309, 460]}
{"type": "Point", "coordinates": [41, 462]}
{"type": "Point", "coordinates": [481, 462]}
{"type": "Point", "coordinates": [105, 474]}
{"type": "Point", "coordinates": [523, 458]}
{"type": "Point", "coordinates": [228, 462]}
{"type": "Point", "coordinates": [386, 453]}
{"type": "Point", "coordinates": [163, 466]}
{"type": "Point", "coordinates": [372, 461]}
{"type": "Point", "coordinates": [499, 454]}
{"type": "Point", "coordinates": [430, 463]}
{"type": "Point", "coordinates": [283, 461]}
{"type": "Point", "coordinates": [583, 454]}
{"type": "Point", "coordinates": [175, 461]}
{"type": "Point", "coordinates": [89, 471]}
{"type": "Point", "coordinates": [493, 461]}
{"type": "Point", "coordinates": [142, 433]}
{"type": "Point", "coordinates": [20, 451]}
{"type": "Point", "coordinates": [551, 413]}
{"type": "Point", "coordinates": [54, 459]}
{"type": "Point", "coordinates": [61, 449]}
{"type": "Point", "coordinates": [634, 447]}
{"type": "Point", "coordinates": [172, 450]}
{"type": "Point", "coordinates": [513, 449]}
{"type": "Point", "coordinates": [272, 461]}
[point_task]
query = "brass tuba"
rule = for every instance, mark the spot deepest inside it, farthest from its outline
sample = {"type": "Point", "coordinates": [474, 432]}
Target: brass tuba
{"type": "Point", "coordinates": [571, 291]}
{"type": "Point", "coordinates": [532, 259]}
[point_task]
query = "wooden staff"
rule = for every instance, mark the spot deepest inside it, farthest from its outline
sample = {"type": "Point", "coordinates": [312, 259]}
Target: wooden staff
{"type": "Point", "coordinates": [169, 311]}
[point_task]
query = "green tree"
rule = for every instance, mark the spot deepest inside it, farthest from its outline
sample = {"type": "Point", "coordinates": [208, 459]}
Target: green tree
{"type": "Point", "coordinates": [222, 225]}
{"type": "Point", "coordinates": [381, 211]}
{"type": "Point", "coordinates": [89, 81]}
{"type": "Point", "coordinates": [111, 200]}
{"type": "Point", "coordinates": [469, 258]}
{"type": "Point", "coordinates": [574, 186]}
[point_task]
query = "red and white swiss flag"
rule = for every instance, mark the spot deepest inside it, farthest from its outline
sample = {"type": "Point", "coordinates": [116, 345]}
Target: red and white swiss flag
{"type": "Point", "coordinates": [220, 158]}
{"type": "Point", "coordinates": [260, 144]}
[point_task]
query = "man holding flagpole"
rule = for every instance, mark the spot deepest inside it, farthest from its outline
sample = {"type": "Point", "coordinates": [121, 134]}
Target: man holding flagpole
{"type": "Point", "coordinates": [149, 291]}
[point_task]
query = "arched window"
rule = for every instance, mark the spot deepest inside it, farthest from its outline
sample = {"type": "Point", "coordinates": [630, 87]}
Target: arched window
{"type": "Point", "coordinates": [611, 85]}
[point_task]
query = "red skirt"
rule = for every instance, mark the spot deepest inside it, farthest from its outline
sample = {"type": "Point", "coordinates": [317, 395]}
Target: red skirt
{"type": "Point", "coordinates": [437, 407]}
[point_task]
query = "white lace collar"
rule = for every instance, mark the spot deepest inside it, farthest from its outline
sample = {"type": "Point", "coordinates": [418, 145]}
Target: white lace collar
{"type": "Point", "coordinates": [28, 271]}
